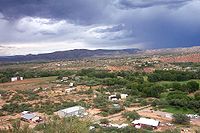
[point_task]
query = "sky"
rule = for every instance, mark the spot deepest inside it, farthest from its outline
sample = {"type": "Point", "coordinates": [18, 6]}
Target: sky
{"type": "Point", "coordinates": [43, 26]}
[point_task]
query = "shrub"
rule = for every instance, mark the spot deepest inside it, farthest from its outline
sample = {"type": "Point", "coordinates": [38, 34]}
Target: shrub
{"type": "Point", "coordinates": [131, 115]}
{"type": "Point", "coordinates": [181, 119]}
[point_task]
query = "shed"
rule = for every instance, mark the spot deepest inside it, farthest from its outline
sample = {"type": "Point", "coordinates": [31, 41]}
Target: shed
{"type": "Point", "coordinates": [16, 78]}
{"type": "Point", "coordinates": [25, 112]}
{"type": "Point", "coordinates": [71, 84]}
{"type": "Point", "coordinates": [124, 96]}
{"type": "Point", "coordinates": [142, 122]}
{"type": "Point", "coordinates": [28, 117]}
{"type": "Point", "coordinates": [72, 111]}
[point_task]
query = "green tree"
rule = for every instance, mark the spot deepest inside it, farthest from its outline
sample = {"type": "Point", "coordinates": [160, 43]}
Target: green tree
{"type": "Point", "coordinates": [181, 119]}
{"type": "Point", "coordinates": [192, 86]}
{"type": "Point", "coordinates": [131, 115]}
{"type": "Point", "coordinates": [197, 96]}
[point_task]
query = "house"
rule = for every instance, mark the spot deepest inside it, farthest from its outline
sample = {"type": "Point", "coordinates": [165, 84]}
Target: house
{"type": "Point", "coordinates": [71, 85]}
{"type": "Point", "coordinates": [16, 78]}
{"type": "Point", "coordinates": [123, 96]}
{"type": "Point", "coordinates": [113, 98]}
{"type": "Point", "coordinates": [70, 89]}
{"type": "Point", "coordinates": [30, 117]}
{"type": "Point", "coordinates": [72, 111]}
{"type": "Point", "coordinates": [65, 78]}
{"type": "Point", "coordinates": [145, 122]}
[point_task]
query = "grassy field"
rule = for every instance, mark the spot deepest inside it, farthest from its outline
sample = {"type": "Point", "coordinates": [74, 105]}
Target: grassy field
{"type": "Point", "coordinates": [178, 110]}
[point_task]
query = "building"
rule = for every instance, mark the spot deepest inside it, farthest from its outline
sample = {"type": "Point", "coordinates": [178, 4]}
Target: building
{"type": "Point", "coordinates": [25, 112]}
{"type": "Point", "coordinates": [116, 97]}
{"type": "Point", "coordinates": [30, 117]}
{"type": "Point", "coordinates": [16, 78]}
{"type": "Point", "coordinates": [145, 122]}
{"type": "Point", "coordinates": [113, 98]}
{"type": "Point", "coordinates": [124, 96]}
{"type": "Point", "coordinates": [71, 85]}
{"type": "Point", "coordinates": [70, 89]}
{"type": "Point", "coordinates": [72, 111]}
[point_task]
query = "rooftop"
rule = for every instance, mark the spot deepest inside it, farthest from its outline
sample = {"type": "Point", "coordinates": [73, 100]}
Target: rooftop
{"type": "Point", "coordinates": [145, 121]}
{"type": "Point", "coordinates": [28, 116]}
{"type": "Point", "coordinates": [72, 109]}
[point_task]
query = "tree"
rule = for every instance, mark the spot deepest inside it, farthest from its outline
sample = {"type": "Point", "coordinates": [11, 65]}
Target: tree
{"type": "Point", "coordinates": [131, 115]}
{"type": "Point", "coordinates": [197, 96]}
{"type": "Point", "coordinates": [181, 119]}
{"type": "Point", "coordinates": [153, 91]}
{"type": "Point", "coordinates": [192, 86]}
{"type": "Point", "coordinates": [104, 121]}
{"type": "Point", "coordinates": [176, 86]}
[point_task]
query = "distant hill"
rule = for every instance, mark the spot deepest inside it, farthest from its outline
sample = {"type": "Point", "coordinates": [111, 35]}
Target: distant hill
{"type": "Point", "coordinates": [70, 54]}
{"type": "Point", "coordinates": [184, 50]}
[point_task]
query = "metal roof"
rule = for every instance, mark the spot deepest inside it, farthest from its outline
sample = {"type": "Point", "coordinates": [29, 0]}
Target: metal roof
{"type": "Point", "coordinates": [28, 116]}
{"type": "Point", "coordinates": [145, 121]}
{"type": "Point", "coordinates": [72, 109]}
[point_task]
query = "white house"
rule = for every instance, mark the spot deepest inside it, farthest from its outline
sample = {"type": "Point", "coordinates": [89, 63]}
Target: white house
{"type": "Point", "coordinates": [16, 79]}
{"type": "Point", "coordinates": [124, 96]}
{"type": "Point", "coordinates": [70, 89]}
{"type": "Point", "coordinates": [71, 84]}
{"type": "Point", "coordinates": [145, 122]}
{"type": "Point", "coordinates": [115, 97]}
{"type": "Point", "coordinates": [72, 111]}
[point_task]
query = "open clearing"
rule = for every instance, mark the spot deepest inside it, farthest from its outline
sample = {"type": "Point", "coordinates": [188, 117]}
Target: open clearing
{"type": "Point", "coordinates": [27, 83]}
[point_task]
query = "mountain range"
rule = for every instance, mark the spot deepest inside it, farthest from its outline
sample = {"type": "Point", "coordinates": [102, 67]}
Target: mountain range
{"type": "Point", "coordinates": [70, 54]}
{"type": "Point", "coordinates": [85, 53]}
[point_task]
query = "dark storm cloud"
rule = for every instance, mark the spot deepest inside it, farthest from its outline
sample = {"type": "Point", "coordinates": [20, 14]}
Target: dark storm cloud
{"type": "Point", "coordinates": [128, 4]}
{"type": "Point", "coordinates": [99, 23]}
{"type": "Point", "coordinates": [76, 10]}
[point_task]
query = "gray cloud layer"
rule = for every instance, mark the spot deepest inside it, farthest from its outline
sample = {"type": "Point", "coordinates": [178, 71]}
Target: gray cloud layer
{"type": "Point", "coordinates": [28, 24]}
{"type": "Point", "coordinates": [127, 4]}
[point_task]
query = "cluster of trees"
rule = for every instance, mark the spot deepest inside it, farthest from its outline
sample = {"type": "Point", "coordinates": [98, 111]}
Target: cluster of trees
{"type": "Point", "coordinates": [180, 100]}
{"type": "Point", "coordinates": [181, 119]}
{"type": "Point", "coordinates": [16, 108]}
{"type": "Point", "coordinates": [55, 125]}
{"type": "Point", "coordinates": [189, 87]}
{"type": "Point", "coordinates": [96, 73]}
{"type": "Point", "coordinates": [160, 75]}
{"type": "Point", "coordinates": [131, 115]}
